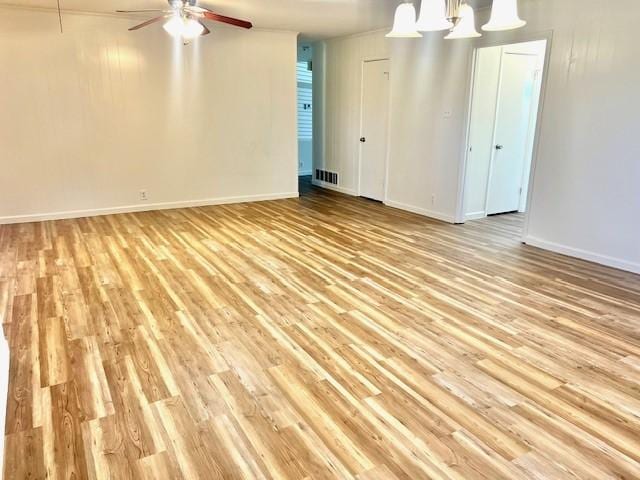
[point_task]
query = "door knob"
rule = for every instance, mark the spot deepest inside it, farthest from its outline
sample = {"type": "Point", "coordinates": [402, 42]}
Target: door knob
{"type": "Point", "coordinates": [499, 147]}
{"type": "Point", "coordinates": [362, 139]}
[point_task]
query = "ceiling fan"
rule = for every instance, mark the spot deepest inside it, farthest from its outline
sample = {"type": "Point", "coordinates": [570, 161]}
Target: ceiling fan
{"type": "Point", "coordinates": [184, 19]}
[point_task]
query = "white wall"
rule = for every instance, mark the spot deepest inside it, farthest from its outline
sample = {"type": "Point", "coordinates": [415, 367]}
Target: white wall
{"type": "Point", "coordinates": [422, 140]}
{"type": "Point", "coordinates": [585, 199]}
{"type": "Point", "coordinates": [320, 97]}
{"type": "Point", "coordinates": [305, 156]}
{"type": "Point", "coordinates": [91, 117]}
{"type": "Point", "coordinates": [428, 109]}
{"type": "Point", "coordinates": [337, 79]}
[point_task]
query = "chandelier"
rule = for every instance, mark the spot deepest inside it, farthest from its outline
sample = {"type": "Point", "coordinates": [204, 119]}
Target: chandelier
{"type": "Point", "coordinates": [454, 15]}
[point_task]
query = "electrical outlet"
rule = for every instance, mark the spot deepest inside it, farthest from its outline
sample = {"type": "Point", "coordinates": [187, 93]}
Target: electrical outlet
{"type": "Point", "coordinates": [143, 195]}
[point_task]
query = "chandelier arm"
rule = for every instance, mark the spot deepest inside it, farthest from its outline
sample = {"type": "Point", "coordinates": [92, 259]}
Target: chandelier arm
{"type": "Point", "coordinates": [453, 11]}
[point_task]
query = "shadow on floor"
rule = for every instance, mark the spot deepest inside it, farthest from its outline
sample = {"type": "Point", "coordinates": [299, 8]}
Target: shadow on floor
{"type": "Point", "coordinates": [305, 186]}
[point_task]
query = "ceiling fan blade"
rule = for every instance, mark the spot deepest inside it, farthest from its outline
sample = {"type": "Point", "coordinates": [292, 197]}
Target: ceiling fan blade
{"type": "Point", "coordinates": [149, 22]}
{"type": "Point", "coordinates": [196, 9]}
{"type": "Point", "coordinates": [230, 20]}
{"type": "Point", "coordinates": [141, 11]}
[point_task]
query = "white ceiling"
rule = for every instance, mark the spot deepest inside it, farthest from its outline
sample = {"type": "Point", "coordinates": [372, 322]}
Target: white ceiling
{"type": "Point", "coordinates": [315, 19]}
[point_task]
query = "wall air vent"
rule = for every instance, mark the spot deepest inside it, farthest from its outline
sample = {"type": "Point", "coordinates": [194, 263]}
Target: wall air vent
{"type": "Point", "coordinates": [327, 177]}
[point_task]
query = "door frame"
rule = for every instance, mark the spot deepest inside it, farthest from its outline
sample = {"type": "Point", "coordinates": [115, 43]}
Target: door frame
{"type": "Point", "coordinates": [360, 135]}
{"type": "Point", "coordinates": [515, 36]}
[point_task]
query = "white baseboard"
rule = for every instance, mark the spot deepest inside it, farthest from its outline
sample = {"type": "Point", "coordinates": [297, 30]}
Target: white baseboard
{"type": "Point", "coordinates": [421, 211]}
{"type": "Point", "coordinates": [330, 186]}
{"type": "Point", "coordinates": [583, 254]}
{"type": "Point", "coordinates": [474, 216]}
{"type": "Point", "coordinates": [305, 173]}
{"type": "Point", "coordinates": [40, 217]}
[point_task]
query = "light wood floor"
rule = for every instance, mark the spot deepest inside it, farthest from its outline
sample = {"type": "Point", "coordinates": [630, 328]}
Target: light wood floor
{"type": "Point", "coordinates": [325, 337]}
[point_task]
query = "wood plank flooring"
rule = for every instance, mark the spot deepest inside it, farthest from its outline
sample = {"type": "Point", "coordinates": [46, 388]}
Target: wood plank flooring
{"type": "Point", "coordinates": [321, 337]}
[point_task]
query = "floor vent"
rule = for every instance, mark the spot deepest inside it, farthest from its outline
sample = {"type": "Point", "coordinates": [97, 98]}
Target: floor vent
{"type": "Point", "coordinates": [328, 177]}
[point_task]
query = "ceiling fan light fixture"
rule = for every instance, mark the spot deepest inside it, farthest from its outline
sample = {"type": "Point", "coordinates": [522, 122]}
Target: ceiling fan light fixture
{"type": "Point", "coordinates": [185, 28]}
{"type": "Point", "coordinates": [174, 26]}
{"type": "Point", "coordinates": [504, 16]}
{"type": "Point", "coordinates": [185, 20]}
{"type": "Point", "coordinates": [404, 24]}
{"type": "Point", "coordinates": [192, 29]}
{"type": "Point", "coordinates": [466, 27]}
{"type": "Point", "coordinates": [432, 16]}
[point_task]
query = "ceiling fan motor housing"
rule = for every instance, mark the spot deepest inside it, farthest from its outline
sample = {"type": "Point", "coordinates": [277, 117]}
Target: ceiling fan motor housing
{"type": "Point", "coordinates": [182, 3]}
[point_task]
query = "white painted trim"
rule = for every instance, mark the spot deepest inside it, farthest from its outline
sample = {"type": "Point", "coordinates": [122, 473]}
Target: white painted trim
{"type": "Point", "coordinates": [583, 254]}
{"type": "Point", "coordinates": [474, 216]}
{"type": "Point", "coordinates": [305, 173]}
{"type": "Point", "coordinates": [536, 139]}
{"type": "Point", "coordinates": [40, 217]}
{"type": "Point", "coordinates": [421, 211]}
{"type": "Point", "coordinates": [336, 188]}
{"type": "Point", "coordinates": [4, 391]}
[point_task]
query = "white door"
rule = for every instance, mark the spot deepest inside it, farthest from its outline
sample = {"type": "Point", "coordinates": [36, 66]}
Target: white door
{"type": "Point", "coordinates": [515, 101]}
{"type": "Point", "coordinates": [373, 141]}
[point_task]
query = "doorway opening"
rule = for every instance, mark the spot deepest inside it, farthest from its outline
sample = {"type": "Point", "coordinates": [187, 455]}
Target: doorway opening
{"type": "Point", "coordinates": [374, 129]}
{"type": "Point", "coordinates": [506, 94]}
{"type": "Point", "coordinates": [304, 74]}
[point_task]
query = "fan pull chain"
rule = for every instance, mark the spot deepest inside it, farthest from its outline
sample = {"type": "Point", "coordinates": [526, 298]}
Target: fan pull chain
{"type": "Point", "coordinates": [60, 16]}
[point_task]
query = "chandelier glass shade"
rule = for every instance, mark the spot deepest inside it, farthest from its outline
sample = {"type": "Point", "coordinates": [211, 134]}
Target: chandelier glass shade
{"type": "Point", "coordinates": [504, 16]}
{"type": "Point", "coordinates": [404, 24]}
{"type": "Point", "coordinates": [433, 16]}
{"type": "Point", "coordinates": [466, 27]}
{"type": "Point", "coordinates": [454, 15]}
